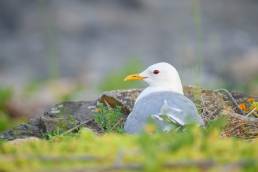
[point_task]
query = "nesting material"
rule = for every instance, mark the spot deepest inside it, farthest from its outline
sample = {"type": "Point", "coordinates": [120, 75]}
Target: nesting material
{"type": "Point", "coordinates": [211, 104]}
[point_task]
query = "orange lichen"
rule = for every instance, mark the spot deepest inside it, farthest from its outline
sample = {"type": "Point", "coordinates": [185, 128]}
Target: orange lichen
{"type": "Point", "coordinates": [243, 107]}
{"type": "Point", "coordinates": [249, 106]}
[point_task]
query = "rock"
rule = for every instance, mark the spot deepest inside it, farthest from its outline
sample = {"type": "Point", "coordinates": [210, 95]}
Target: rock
{"type": "Point", "coordinates": [60, 117]}
{"type": "Point", "coordinates": [32, 128]}
{"type": "Point", "coordinates": [69, 115]}
{"type": "Point", "coordinates": [123, 98]}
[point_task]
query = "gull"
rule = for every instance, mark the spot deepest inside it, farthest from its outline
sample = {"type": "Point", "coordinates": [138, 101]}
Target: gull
{"type": "Point", "coordinates": [163, 101]}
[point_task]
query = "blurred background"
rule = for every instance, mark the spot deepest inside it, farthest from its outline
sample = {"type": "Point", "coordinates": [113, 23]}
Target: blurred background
{"type": "Point", "coordinates": [57, 50]}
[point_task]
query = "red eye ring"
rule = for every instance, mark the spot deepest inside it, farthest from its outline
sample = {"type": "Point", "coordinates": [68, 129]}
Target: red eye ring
{"type": "Point", "coordinates": [156, 72]}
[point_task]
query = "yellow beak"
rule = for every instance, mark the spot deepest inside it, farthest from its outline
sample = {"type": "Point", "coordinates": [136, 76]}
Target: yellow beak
{"type": "Point", "coordinates": [133, 77]}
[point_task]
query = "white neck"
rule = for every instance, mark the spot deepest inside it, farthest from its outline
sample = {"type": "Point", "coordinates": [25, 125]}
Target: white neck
{"type": "Point", "coordinates": [151, 89]}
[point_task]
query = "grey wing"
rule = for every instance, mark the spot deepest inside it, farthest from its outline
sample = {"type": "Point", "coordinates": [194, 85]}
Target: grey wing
{"type": "Point", "coordinates": [132, 125]}
{"type": "Point", "coordinates": [140, 114]}
{"type": "Point", "coordinates": [179, 107]}
{"type": "Point", "coordinates": [184, 112]}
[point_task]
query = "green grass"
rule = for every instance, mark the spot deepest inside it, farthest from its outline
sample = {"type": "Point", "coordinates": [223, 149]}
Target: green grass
{"type": "Point", "coordinates": [109, 119]}
{"type": "Point", "coordinates": [5, 121]}
{"type": "Point", "coordinates": [193, 149]}
{"type": "Point", "coordinates": [6, 94]}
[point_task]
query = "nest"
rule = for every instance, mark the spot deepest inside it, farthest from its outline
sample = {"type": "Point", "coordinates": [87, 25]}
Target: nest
{"type": "Point", "coordinates": [222, 103]}
{"type": "Point", "coordinates": [211, 105]}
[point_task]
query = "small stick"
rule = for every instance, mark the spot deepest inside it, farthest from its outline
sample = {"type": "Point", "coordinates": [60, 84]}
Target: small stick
{"type": "Point", "coordinates": [232, 99]}
{"type": "Point", "coordinates": [117, 123]}
{"type": "Point", "coordinates": [250, 113]}
{"type": "Point", "coordinates": [74, 128]}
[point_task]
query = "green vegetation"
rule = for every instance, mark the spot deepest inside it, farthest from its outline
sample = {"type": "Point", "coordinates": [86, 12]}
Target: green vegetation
{"type": "Point", "coordinates": [109, 119]}
{"type": "Point", "coordinates": [192, 149]}
{"type": "Point", "coordinates": [62, 127]}
{"type": "Point", "coordinates": [4, 121]}
{"type": "Point", "coordinates": [54, 133]}
{"type": "Point", "coordinates": [188, 149]}
{"type": "Point", "coordinates": [5, 96]}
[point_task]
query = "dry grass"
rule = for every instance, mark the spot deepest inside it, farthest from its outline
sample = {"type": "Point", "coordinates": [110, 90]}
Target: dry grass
{"type": "Point", "coordinates": [222, 103]}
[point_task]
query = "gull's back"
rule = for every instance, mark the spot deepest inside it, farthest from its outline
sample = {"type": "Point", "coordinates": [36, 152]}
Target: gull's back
{"type": "Point", "coordinates": [182, 109]}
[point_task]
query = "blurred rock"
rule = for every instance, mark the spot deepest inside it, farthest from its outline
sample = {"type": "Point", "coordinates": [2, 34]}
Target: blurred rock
{"type": "Point", "coordinates": [73, 115]}
{"type": "Point", "coordinates": [31, 102]}
{"type": "Point", "coordinates": [60, 117]}
{"type": "Point", "coordinates": [92, 37]}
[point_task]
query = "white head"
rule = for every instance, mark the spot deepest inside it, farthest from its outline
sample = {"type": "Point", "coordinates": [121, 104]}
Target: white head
{"type": "Point", "coordinates": [160, 75]}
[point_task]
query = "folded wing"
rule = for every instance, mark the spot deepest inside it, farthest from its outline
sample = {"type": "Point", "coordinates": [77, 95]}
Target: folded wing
{"type": "Point", "coordinates": [160, 106]}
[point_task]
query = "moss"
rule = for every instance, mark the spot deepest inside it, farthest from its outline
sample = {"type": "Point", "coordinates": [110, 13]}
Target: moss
{"type": "Point", "coordinates": [192, 149]}
{"type": "Point", "coordinates": [63, 121]}
{"type": "Point", "coordinates": [5, 96]}
{"type": "Point", "coordinates": [4, 121]}
{"type": "Point", "coordinates": [60, 126]}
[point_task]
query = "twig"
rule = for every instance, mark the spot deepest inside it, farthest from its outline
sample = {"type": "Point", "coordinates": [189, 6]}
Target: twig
{"type": "Point", "coordinates": [244, 118]}
{"type": "Point", "coordinates": [117, 123]}
{"type": "Point", "coordinates": [250, 113]}
{"type": "Point", "coordinates": [107, 104]}
{"type": "Point", "coordinates": [76, 127]}
{"type": "Point", "coordinates": [232, 99]}
{"type": "Point", "coordinates": [234, 129]}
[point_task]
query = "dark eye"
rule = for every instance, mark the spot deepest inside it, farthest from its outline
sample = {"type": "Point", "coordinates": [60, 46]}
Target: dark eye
{"type": "Point", "coordinates": [156, 72]}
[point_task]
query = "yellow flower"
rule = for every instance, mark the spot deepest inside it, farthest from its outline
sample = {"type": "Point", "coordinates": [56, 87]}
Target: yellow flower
{"type": "Point", "coordinates": [97, 110]}
{"type": "Point", "coordinates": [150, 128]}
{"type": "Point", "coordinates": [254, 106]}
{"type": "Point", "coordinates": [250, 100]}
